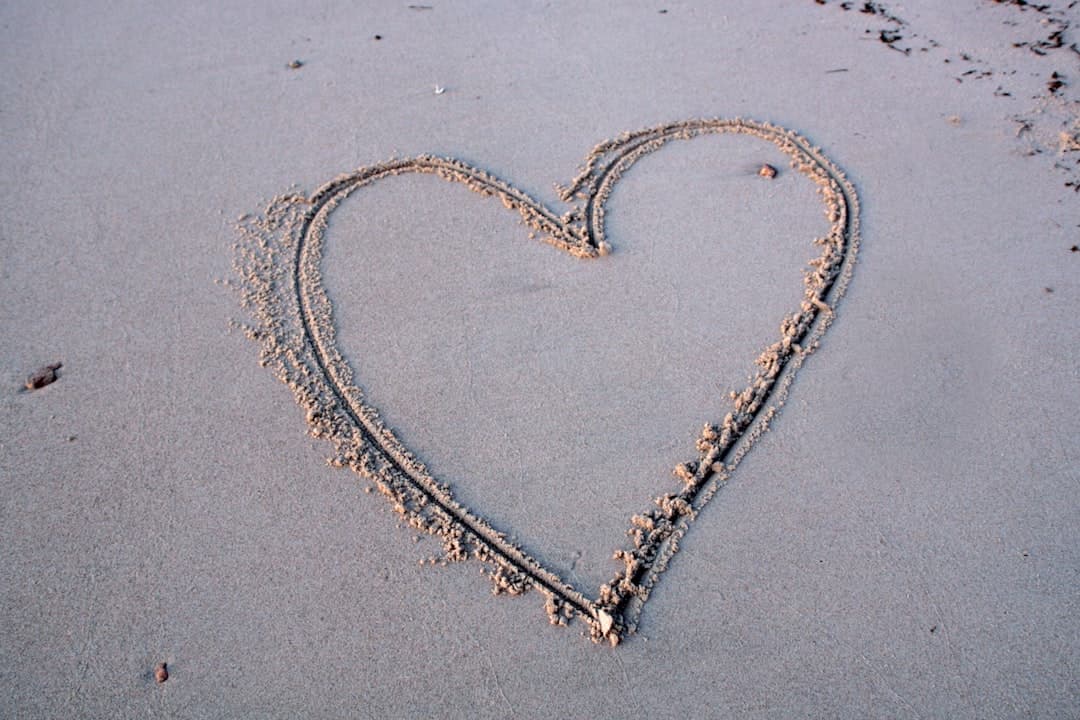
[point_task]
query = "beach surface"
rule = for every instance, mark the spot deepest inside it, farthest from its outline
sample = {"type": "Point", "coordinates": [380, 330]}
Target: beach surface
{"type": "Point", "coordinates": [175, 541]}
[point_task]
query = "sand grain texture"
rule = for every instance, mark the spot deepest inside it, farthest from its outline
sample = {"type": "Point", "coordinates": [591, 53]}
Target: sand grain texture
{"type": "Point", "coordinates": [902, 543]}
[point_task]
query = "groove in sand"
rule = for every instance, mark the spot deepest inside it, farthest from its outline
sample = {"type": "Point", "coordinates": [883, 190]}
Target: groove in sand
{"type": "Point", "coordinates": [278, 260]}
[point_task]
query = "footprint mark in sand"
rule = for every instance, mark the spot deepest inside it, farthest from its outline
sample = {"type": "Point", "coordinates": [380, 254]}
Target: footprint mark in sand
{"type": "Point", "coordinates": [278, 260]}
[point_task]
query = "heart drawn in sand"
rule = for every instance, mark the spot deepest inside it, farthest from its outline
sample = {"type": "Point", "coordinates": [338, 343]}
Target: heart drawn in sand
{"type": "Point", "coordinates": [278, 260]}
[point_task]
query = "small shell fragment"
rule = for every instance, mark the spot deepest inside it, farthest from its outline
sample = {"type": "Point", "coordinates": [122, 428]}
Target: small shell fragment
{"type": "Point", "coordinates": [606, 621]}
{"type": "Point", "coordinates": [767, 171]}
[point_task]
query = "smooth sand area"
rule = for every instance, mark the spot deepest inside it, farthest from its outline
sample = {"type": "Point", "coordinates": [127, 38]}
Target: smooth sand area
{"type": "Point", "coordinates": [904, 541]}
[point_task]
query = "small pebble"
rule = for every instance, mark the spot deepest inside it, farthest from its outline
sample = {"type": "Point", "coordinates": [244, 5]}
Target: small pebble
{"type": "Point", "coordinates": [767, 171]}
{"type": "Point", "coordinates": [296, 64]}
{"type": "Point", "coordinates": [43, 376]}
{"type": "Point", "coordinates": [161, 673]}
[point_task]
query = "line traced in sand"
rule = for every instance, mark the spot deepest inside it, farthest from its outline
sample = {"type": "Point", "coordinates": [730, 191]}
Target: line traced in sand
{"type": "Point", "coordinates": [278, 261]}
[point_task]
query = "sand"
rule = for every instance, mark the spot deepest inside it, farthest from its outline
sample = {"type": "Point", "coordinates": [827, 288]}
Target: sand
{"type": "Point", "coordinates": [902, 542]}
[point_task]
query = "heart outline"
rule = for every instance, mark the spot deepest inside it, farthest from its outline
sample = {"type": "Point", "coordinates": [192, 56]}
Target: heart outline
{"type": "Point", "coordinates": [278, 260]}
